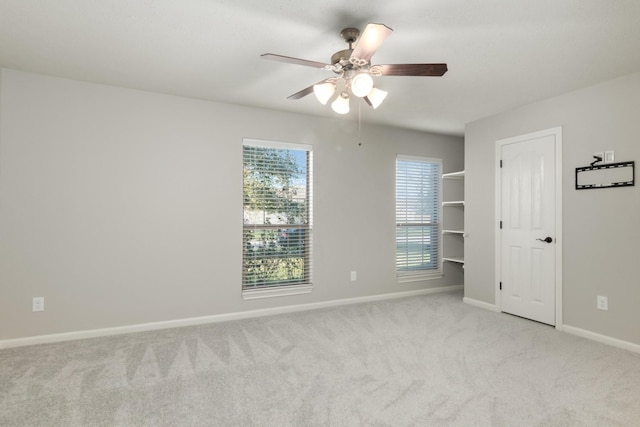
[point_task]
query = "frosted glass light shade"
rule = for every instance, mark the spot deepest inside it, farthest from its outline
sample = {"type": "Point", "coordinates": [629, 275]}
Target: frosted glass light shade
{"type": "Point", "coordinates": [376, 96]}
{"type": "Point", "coordinates": [324, 91]}
{"type": "Point", "coordinates": [341, 104]}
{"type": "Point", "coordinates": [361, 85]}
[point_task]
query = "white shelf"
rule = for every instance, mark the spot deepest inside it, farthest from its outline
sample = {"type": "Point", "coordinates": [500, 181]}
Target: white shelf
{"type": "Point", "coordinates": [454, 175]}
{"type": "Point", "coordinates": [454, 232]}
{"type": "Point", "coordinates": [454, 203]}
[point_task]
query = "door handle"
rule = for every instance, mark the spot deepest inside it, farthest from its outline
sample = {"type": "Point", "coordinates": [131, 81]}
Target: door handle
{"type": "Point", "coordinates": [546, 240]}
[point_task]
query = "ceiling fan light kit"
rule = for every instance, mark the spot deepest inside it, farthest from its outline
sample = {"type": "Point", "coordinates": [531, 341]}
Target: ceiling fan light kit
{"type": "Point", "coordinates": [375, 97]}
{"type": "Point", "coordinates": [324, 91]}
{"type": "Point", "coordinates": [354, 70]}
{"type": "Point", "coordinates": [361, 84]}
{"type": "Point", "coordinates": [341, 104]}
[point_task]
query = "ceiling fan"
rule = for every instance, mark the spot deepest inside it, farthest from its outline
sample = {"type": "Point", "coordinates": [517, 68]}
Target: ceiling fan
{"type": "Point", "coordinates": [354, 70]}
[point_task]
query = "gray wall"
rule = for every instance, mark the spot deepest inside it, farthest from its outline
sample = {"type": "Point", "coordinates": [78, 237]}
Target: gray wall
{"type": "Point", "coordinates": [601, 227]}
{"type": "Point", "coordinates": [123, 207]}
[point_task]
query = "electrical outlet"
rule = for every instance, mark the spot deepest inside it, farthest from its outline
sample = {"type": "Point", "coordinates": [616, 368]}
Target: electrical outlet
{"type": "Point", "coordinates": [38, 303]}
{"type": "Point", "coordinates": [354, 276]}
{"type": "Point", "coordinates": [609, 157]}
{"type": "Point", "coordinates": [602, 303]}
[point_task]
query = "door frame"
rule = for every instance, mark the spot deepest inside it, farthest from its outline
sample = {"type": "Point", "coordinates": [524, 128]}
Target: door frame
{"type": "Point", "coordinates": [556, 132]}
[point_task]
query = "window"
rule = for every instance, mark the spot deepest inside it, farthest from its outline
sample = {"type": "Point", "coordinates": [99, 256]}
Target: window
{"type": "Point", "coordinates": [418, 207]}
{"type": "Point", "coordinates": [277, 208]}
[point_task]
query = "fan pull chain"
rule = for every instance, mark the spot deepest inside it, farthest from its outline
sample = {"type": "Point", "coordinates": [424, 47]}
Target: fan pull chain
{"type": "Point", "coordinates": [359, 125]}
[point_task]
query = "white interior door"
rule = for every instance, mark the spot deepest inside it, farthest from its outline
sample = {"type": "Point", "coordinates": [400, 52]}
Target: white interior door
{"type": "Point", "coordinates": [528, 221]}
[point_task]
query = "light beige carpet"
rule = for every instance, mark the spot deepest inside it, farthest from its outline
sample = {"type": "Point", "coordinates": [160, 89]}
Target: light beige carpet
{"type": "Point", "coordinates": [424, 361]}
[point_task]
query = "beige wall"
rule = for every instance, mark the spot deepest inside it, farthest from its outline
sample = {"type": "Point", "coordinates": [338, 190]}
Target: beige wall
{"type": "Point", "coordinates": [601, 227]}
{"type": "Point", "coordinates": [123, 207]}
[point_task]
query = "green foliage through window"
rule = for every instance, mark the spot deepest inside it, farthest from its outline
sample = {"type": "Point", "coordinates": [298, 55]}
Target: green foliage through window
{"type": "Point", "coordinates": [277, 220]}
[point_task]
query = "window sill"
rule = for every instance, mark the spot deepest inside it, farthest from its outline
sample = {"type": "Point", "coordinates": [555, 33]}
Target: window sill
{"type": "Point", "coordinates": [276, 291]}
{"type": "Point", "coordinates": [419, 277]}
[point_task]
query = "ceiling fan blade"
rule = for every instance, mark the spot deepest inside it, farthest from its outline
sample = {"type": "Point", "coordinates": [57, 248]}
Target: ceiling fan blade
{"type": "Point", "coordinates": [304, 92]}
{"type": "Point", "coordinates": [290, 60]}
{"type": "Point", "coordinates": [370, 40]}
{"type": "Point", "coordinates": [412, 69]}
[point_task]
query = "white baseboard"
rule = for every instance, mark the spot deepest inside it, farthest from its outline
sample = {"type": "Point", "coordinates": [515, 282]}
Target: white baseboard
{"type": "Point", "coordinates": [604, 339]}
{"type": "Point", "coordinates": [481, 304]}
{"type": "Point", "coordinates": [193, 321]}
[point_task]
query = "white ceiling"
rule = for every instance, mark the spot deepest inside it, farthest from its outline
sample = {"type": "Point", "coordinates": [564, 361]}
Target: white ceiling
{"type": "Point", "coordinates": [501, 53]}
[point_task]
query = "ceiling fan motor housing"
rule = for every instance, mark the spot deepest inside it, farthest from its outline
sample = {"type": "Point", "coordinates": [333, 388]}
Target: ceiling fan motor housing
{"type": "Point", "coordinates": [350, 35]}
{"type": "Point", "coordinates": [342, 57]}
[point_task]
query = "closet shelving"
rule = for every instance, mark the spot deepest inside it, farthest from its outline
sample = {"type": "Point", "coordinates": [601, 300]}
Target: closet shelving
{"type": "Point", "coordinates": [456, 229]}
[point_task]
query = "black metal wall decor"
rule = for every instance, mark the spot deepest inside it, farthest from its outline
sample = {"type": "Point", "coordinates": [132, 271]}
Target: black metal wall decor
{"type": "Point", "coordinates": [608, 175]}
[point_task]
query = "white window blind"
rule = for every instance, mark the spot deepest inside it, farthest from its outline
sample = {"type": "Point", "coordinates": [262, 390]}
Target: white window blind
{"type": "Point", "coordinates": [277, 206]}
{"type": "Point", "coordinates": [418, 212]}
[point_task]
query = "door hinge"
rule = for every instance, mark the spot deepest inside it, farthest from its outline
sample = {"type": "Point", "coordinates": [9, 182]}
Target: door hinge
{"type": "Point", "coordinates": [500, 285]}
{"type": "Point", "coordinates": [500, 225]}
{"type": "Point", "coordinates": [501, 163]}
